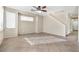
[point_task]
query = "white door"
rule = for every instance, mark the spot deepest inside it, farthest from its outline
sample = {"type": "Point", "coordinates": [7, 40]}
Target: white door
{"type": "Point", "coordinates": [10, 24]}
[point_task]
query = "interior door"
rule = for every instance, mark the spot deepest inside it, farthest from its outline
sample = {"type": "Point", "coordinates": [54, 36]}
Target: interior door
{"type": "Point", "coordinates": [10, 24]}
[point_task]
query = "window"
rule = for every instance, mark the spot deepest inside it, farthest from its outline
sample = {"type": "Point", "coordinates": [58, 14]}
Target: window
{"type": "Point", "coordinates": [26, 18]}
{"type": "Point", "coordinates": [10, 20]}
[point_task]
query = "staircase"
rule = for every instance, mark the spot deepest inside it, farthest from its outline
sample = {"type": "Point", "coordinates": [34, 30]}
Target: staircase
{"type": "Point", "coordinates": [59, 15]}
{"type": "Point", "coordinates": [55, 24]}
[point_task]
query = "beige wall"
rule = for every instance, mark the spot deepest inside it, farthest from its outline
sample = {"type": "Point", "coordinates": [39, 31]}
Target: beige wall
{"type": "Point", "coordinates": [26, 26]}
{"type": "Point", "coordinates": [30, 27]}
{"type": "Point", "coordinates": [68, 30]}
{"type": "Point", "coordinates": [52, 26]}
{"type": "Point", "coordinates": [78, 29]}
{"type": "Point", "coordinates": [1, 37]}
{"type": "Point", "coordinates": [59, 15]}
{"type": "Point", "coordinates": [1, 24]}
{"type": "Point", "coordinates": [78, 24]}
{"type": "Point", "coordinates": [63, 17]}
{"type": "Point", "coordinates": [40, 23]}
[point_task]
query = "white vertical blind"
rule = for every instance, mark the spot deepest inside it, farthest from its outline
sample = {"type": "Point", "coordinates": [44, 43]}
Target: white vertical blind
{"type": "Point", "coordinates": [10, 20]}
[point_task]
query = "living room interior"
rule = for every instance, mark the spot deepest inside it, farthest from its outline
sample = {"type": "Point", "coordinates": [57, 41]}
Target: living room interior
{"type": "Point", "coordinates": [39, 29]}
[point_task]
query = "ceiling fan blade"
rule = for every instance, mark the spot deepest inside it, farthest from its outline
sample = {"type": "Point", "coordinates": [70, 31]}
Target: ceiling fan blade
{"type": "Point", "coordinates": [35, 7]}
{"type": "Point", "coordinates": [38, 7]}
{"type": "Point", "coordinates": [44, 7]}
{"type": "Point", "coordinates": [44, 10]}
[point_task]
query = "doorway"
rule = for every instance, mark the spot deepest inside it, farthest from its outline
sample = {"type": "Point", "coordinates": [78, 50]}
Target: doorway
{"type": "Point", "coordinates": [73, 36]}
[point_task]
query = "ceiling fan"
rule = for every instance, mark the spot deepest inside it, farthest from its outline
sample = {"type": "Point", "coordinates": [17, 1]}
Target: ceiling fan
{"type": "Point", "coordinates": [39, 8]}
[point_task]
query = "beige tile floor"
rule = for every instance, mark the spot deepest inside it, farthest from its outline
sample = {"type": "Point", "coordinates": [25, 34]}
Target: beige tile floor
{"type": "Point", "coordinates": [73, 36]}
{"type": "Point", "coordinates": [18, 44]}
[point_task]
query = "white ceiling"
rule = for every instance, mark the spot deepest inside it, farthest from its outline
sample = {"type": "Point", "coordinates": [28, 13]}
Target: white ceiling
{"type": "Point", "coordinates": [71, 9]}
{"type": "Point", "coordinates": [28, 8]}
{"type": "Point", "coordinates": [24, 8]}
